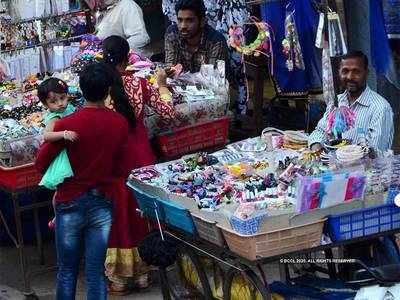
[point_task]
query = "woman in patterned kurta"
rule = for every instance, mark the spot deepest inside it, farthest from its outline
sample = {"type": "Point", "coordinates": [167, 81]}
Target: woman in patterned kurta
{"type": "Point", "coordinates": [221, 14]}
{"type": "Point", "coordinates": [124, 267]}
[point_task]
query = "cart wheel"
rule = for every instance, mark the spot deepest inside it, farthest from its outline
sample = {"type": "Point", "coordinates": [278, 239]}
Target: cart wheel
{"type": "Point", "coordinates": [244, 286]}
{"type": "Point", "coordinates": [186, 279]}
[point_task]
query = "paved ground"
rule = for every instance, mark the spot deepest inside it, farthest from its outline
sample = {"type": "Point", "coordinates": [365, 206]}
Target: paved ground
{"type": "Point", "coordinates": [11, 283]}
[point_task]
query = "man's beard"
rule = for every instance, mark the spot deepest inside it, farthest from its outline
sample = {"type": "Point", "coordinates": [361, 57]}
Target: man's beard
{"type": "Point", "coordinates": [192, 35]}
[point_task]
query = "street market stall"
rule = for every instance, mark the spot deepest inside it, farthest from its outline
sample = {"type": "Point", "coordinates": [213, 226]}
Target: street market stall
{"type": "Point", "coordinates": [22, 117]}
{"type": "Point", "coordinates": [264, 199]}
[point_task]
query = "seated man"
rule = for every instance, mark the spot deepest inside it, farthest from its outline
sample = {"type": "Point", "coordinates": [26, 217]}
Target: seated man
{"type": "Point", "coordinates": [123, 18]}
{"type": "Point", "coordinates": [374, 115]}
{"type": "Point", "coordinates": [374, 118]}
{"type": "Point", "coordinates": [192, 42]}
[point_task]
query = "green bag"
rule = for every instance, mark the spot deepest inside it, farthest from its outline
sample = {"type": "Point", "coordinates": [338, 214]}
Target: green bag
{"type": "Point", "coordinates": [57, 172]}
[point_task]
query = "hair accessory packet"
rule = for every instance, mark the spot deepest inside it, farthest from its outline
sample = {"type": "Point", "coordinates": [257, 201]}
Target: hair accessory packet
{"type": "Point", "coordinates": [295, 140]}
{"type": "Point", "coordinates": [248, 147]}
{"type": "Point", "coordinates": [145, 174]}
{"type": "Point", "coordinates": [329, 189]}
{"type": "Point", "coordinates": [291, 44]}
{"type": "Point", "coordinates": [340, 119]}
{"type": "Point", "coordinates": [272, 137]}
{"type": "Point", "coordinates": [246, 218]}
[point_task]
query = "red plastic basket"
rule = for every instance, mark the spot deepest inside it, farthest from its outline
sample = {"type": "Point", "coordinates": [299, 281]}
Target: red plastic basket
{"type": "Point", "coordinates": [19, 177]}
{"type": "Point", "coordinates": [193, 138]}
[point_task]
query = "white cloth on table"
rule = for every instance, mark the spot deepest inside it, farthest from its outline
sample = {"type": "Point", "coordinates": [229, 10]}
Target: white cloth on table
{"type": "Point", "coordinates": [125, 19]}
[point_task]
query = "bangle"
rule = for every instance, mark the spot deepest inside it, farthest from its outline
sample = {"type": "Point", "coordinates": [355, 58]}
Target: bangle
{"type": "Point", "coordinates": [65, 134]}
{"type": "Point", "coordinates": [166, 96]}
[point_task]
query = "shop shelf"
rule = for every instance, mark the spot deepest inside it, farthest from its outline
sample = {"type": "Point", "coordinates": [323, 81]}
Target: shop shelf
{"type": "Point", "coordinates": [363, 222]}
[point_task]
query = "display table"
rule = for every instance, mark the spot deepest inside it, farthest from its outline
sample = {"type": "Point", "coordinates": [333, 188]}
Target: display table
{"type": "Point", "coordinates": [246, 196]}
{"type": "Point", "coordinates": [282, 236]}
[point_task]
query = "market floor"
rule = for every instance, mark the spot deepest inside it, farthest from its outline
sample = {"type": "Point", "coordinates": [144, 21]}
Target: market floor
{"type": "Point", "coordinates": [11, 283]}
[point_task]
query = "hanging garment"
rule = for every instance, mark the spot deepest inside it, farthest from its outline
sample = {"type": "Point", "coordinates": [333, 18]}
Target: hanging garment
{"type": "Point", "coordinates": [298, 82]}
{"type": "Point", "coordinates": [328, 86]}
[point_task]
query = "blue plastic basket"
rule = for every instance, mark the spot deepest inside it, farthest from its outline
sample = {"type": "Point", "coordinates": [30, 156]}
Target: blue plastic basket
{"type": "Point", "coordinates": [363, 222]}
{"type": "Point", "coordinates": [246, 227]}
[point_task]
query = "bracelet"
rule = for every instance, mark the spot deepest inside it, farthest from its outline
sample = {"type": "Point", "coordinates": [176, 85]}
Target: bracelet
{"type": "Point", "coordinates": [166, 96]}
{"type": "Point", "coordinates": [65, 134]}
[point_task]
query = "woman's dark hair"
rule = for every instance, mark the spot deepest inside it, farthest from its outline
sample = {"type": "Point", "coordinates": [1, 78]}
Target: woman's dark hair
{"type": "Point", "coordinates": [95, 82]}
{"type": "Point", "coordinates": [54, 85]}
{"type": "Point", "coordinates": [115, 52]}
{"type": "Point", "coordinates": [197, 6]}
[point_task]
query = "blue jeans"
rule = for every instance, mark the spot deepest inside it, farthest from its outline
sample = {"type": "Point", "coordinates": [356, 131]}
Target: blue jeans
{"type": "Point", "coordinates": [87, 220]}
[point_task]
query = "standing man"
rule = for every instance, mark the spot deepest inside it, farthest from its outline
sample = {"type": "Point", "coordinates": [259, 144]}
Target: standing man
{"type": "Point", "coordinates": [192, 42]}
{"type": "Point", "coordinates": [374, 115]}
{"type": "Point", "coordinates": [82, 203]}
{"type": "Point", "coordinates": [123, 18]}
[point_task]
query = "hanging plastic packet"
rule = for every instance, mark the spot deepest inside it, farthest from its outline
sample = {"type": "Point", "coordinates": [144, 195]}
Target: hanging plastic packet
{"type": "Point", "coordinates": [319, 39]}
{"type": "Point", "coordinates": [291, 44]}
{"type": "Point", "coordinates": [328, 85]}
{"type": "Point", "coordinates": [337, 44]}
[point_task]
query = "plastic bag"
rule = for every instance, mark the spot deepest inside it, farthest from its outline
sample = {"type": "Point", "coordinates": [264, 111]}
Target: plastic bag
{"type": "Point", "coordinates": [291, 44]}
{"type": "Point", "coordinates": [337, 45]}
{"type": "Point", "coordinates": [58, 171]}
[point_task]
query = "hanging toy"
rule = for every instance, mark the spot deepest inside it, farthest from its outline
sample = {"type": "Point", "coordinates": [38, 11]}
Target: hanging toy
{"type": "Point", "coordinates": [261, 45]}
{"type": "Point", "coordinates": [291, 45]}
{"type": "Point", "coordinates": [340, 119]}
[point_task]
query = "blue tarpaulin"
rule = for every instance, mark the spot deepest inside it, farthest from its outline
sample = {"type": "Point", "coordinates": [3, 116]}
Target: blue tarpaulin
{"type": "Point", "coordinates": [381, 54]}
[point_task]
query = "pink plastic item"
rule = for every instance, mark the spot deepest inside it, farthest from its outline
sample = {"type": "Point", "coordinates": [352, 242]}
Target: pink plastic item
{"type": "Point", "coordinates": [142, 64]}
{"type": "Point", "coordinates": [52, 224]}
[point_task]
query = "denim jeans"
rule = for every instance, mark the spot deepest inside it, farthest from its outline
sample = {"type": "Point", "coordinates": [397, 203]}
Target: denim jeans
{"type": "Point", "coordinates": [84, 220]}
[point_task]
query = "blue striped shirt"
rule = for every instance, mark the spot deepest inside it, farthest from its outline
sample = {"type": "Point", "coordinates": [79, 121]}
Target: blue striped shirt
{"type": "Point", "coordinates": [374, 116]}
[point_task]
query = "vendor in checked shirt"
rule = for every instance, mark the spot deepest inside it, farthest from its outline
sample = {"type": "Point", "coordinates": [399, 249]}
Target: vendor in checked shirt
{"type": "Point", "coordinates": [192, 42]}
